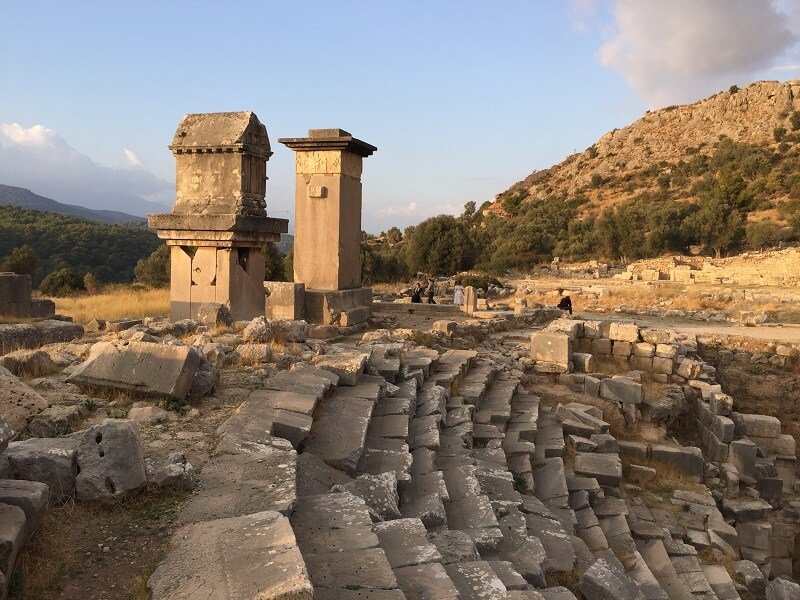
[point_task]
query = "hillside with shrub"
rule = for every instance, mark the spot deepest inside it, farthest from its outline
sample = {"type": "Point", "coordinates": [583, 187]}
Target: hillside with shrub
{"type": "Point", "coordinates": [43, 243]}
{"type": "Point", "coordinates": [723, 173]}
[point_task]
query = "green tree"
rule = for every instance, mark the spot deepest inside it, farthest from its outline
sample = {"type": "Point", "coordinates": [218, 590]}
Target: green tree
{"type": "Point", "coordinates": [154, 270]}
{"type": "Point", "coordinates": [288, 265]}
{"type": "Point", "coordinates": [779, 133]}
{"type": "Point", "coordinates": [22, 261]}
{"type": "Point", "coordinates": [61, 283]}
{"type": "Point", "coordinates": [274, 266]}
{"type": "Point", "coordinates": [441, 245]}
{"type": "Point", "coordinates": [394, 236]}
{"type": "Point", "coordinates": [719, 221]}
{"type": "Point", "coordinates": [763, 234]}
{"type": "Point", "coordinates": [795, 120]}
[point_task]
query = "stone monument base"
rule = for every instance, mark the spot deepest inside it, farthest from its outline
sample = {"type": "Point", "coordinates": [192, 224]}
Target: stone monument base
{"type": "Point", "coordinates": [285, 300]}
{"type": "Point", "coordinates": [16, 301]}
{"type": "Point", "coordinates": [338, 307]}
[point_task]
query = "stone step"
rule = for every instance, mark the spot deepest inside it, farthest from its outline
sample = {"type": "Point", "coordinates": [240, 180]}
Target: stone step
{"type": "Point", "coordinates": [544, 525]}
{"type": "Point", "coordinates": [549, 439]}
{"type": "Point", "coordinates": [655, 555]}
{"type": "Point", "coordinates": [429, 581]}
{"type": "Point", "coordinates": [405, 543]}
{"type": "Point", "coordinates": [305, 380]}
{"type": "Point", "coordinates": [243, 477]}
{"type": "Point", "coordinates": [476, 581]}
{"type": "Point", "coordinates": [475, 516]}
{"type": "Point", "coordinates": [230, 554]}
{"type": "Point", "coordinates": [339, 432]}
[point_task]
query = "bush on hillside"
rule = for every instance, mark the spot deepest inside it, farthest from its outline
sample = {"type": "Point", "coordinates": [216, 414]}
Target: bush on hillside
{"type": "Point", "coordinates": [763, 234]}
{"type": "Point", "coordinates": [154, 270]}
{"type": "Point", "coordinates": [441, 246]}
{"type": "Point", "coordinates": [274, 265]}
{"type": "Point", "coordinates": [22, 261]}
{"type": "Point", "coordinates": [479, 281]}
{"type": "Point", "coordinates": [63, 282]}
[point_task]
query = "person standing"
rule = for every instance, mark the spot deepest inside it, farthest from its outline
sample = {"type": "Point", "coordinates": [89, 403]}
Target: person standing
{"type": "Point", "coordinates": [458, 293]}
{"type": "Point", "coordinates": [416, 295]}
{"type": "Point", "coordinates": [430, 291]}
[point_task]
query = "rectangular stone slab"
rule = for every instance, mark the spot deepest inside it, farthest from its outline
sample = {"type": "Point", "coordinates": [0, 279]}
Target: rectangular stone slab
{"type": "Point", "coordinates": [142, 367]}
{"type": "Point", "coordinates": [340, 431]}
{"type": "Point", "coordinates": [250, 557]}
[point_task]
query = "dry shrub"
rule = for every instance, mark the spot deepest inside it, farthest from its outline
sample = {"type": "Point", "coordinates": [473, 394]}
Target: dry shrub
{"type": "Point", "coordinates": [668, 479]}
{"type": "Point", "coordinates": [115, 302]}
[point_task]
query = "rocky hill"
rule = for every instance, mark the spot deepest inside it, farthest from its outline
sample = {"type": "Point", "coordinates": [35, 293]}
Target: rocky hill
{"type": "Point", "coordinates": [645, 155]}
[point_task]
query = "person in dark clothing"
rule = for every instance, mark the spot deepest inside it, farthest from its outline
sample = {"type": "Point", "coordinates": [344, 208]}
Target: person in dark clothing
{"type": "Point", "coordinates": [565, 304]}
{"type": "Point", "coordinates": [416, 295]}
{"type": "Point", "coordinates": [430, 291]}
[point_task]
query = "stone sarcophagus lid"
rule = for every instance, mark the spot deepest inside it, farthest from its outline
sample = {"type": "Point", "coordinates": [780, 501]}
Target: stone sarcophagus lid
{"type": "Point", "coordinates": [219, 223]}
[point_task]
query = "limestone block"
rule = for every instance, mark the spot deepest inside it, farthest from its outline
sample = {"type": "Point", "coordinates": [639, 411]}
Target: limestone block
{"type": "Point", "coordinates": [572, 327]}
{"type": "Point", "coordinates": [254, 354]}
{"type": "Point", "coordinates": [52, 461]}
{"type": "Point", "coordinates": [110, 462]}
{"type": "Point", "coordinates": [601, 346]}
{"type": "Point", "coordinates": [755, 535]}
{"type": "Point", "coordinates": [782, 589]}
{"type": "Point", "coordinates": [762, 426]}
{"type": "Point", "coordinates": [13, 534]}
{"type": "Point", "coordinates": [18, 402]}
{"type": "Point", "coordinates": [245, 542]}
{"type": "Point", "coordinates": [284, 300]}
{"type": "Point", "coordinates": [347, 365]}
{"type": "Point", "coordinates": [551, 347]}
{"type": "Point", "coordinates": [593, 329]}
{"type": "Point", "coordinates": [142, 367]}
{"type": "Point", "coordinates": [214, 313]}
{"type": "Point", "coordinates": [624, 332]}
{"type": "Point", "coordinates": [689, 369]}
{"type": "Point", "coordinates": [31, 496]}
{"type": "Point", "coordinates": [663, 365]}
{"type": "Point", "coordinates": [445, 326]}
{"type": "Point", "coordinates": [785, 444]}
{"type": "Point", "coordinates": [644, 349]}
{"type": "Point", "coordinates": [258, 331]}
{"type": "Point", "coordinates": [688, 459]}
{"type": "Point", "coordinates": [289, 331]}
{"type": "Point", "coordinates": [621, 389]}
{"type": "Point", "coordinates": [604, 581]}
{"type": "Point", "coordinates": [591, 386]}
{"type": "Point", "coordinates": [606, 468]}
{"type": "Point", "coordinates": [621, 348]}
{"type": "Point", "coordinates": [658, 336]}
{"type": "Point", "coordinates": [666, 351]}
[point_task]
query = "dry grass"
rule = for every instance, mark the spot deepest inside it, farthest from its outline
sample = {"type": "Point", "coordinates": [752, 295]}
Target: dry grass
{"type": "Point", "coordinates": [65, 554]}
{"type": "Point", "coordinates": [116, 302]}
{"type": "Point", "coordinates": [668, 479]}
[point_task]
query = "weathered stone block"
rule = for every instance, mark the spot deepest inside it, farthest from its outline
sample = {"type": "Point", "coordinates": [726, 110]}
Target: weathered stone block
{"type": "Point", "coordinates": [551, 347]}
{"type": "Point", "coordinates": [110, 462]}
{"type": "Point", "coordinates": [52, 461]}
{"type": "Point", "coordinates": [18, 402]}
{"type": "Point", "coordinates": [284, 300]}
{"type": "Point", "coordinates": [624, 332]}
{"type": "Point", "coordinates": [622, 348]}
{"type": "Point", "coordinates": [621, 389]}
{"type": "Point", "coordinates": [142, 367]}
{"type": "Point", "coordinates": [244, 542]}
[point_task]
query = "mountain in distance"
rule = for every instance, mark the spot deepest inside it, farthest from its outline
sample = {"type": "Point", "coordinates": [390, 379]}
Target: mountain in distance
{"type": "Point", "coordinates": [24, 198]}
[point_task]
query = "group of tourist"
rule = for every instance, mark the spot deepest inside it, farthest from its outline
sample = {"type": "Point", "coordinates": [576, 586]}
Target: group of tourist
{"type": "Point", "coordinates": [430, 291]}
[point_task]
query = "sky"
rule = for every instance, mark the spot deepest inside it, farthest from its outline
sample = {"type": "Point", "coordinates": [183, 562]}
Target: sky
{"type": "Point", "coordinates": [462, 98]}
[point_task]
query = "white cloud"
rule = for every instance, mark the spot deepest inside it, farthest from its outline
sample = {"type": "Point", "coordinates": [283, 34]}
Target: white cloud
{"type": "Point", "coordinates": [39, 159]}
{"type": "Point", "coordinates": [132, 159]}
{"type": "Point", "coordinates": [580, 12]}
{"type": "Point", "coordinates": [681, 50]}
{"type": "Point", "coordinates": [417, 211]}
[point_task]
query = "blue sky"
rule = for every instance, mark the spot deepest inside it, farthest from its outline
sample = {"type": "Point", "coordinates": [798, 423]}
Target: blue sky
{"type": "Point", "coordinates": [462, 98]}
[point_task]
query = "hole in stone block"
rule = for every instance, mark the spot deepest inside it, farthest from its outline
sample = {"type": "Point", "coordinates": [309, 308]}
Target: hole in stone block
{"type": "Point", "coordinates": [102, 454]}
{"type": "Point", "coordinates": [98, 438]}
{"type": "Point", "coordinates": [189, 250]}
{"type": "Point", "coordinates": [110, 485]}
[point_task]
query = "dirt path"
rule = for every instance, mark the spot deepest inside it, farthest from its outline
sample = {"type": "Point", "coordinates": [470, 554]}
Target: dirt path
{"type": "Point", "coordinates": [773, 332]}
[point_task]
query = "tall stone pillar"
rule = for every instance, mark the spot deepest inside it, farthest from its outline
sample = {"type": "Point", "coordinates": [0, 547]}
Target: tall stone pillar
{"type": "Point", "coordinates": [327, 243]}
{"type": "Point", "coordinates": [219, 224]}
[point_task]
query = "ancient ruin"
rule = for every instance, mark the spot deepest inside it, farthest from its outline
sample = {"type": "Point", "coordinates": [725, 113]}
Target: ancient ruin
{"type": "Point", "coordinates": [16, 301]}
{"type": "Point", "coordinates": [219, 222]}
{"type": "Point", "coordinates": [351, 449]}
{"type": "Point", "coordinates": [327, 244]}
